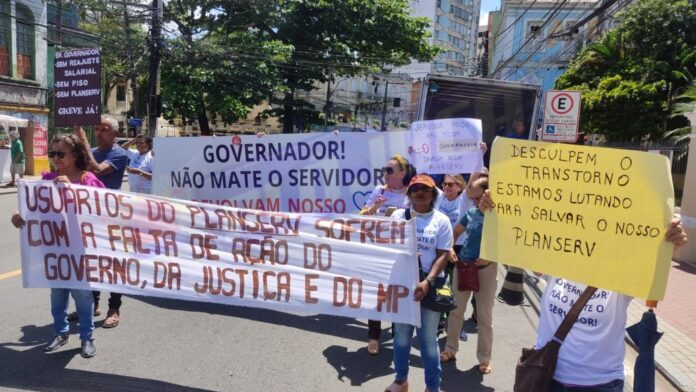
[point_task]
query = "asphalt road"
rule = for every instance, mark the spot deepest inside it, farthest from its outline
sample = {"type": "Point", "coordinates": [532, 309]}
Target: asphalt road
{"type": "Point", "coordinates": [167, 345]}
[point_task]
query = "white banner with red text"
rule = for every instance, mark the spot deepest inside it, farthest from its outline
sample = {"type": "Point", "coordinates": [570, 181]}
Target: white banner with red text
{"type": "Point", "coordinates": [100, 239]}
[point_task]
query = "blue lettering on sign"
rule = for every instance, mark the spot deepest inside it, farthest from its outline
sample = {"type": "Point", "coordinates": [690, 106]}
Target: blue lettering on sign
{"type": "Point", "coordinates": [550, 129]}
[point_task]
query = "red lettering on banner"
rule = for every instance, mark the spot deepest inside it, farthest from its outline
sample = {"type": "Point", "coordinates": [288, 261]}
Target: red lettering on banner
{"type": "Point", "coordinates": [309, 288]}
{"type": "Point", "coordinates": [367, 230]}
{"type": "Point", "coordinates": [390, 296]}
{"type": "Point", "coordinates": [47, 233]}
{"type": "Point", "coordinates": [203, 246]}
{"type": "Point", "coordinates": [87, 231]}
{"type": "Point", "coordinates": [92, 268]}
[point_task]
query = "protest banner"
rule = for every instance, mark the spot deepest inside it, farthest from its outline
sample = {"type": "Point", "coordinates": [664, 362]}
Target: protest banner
{"type": "Point", "coordinates": [593, 215]}
{"type": "Point", "coordinates": [315, 172]}
{"type": "Point", "coordinates": [100, 239]}
{"type": "Point", "coordinates": [77, 87]}
{"type": "Point", "coordinates": [446, 146]}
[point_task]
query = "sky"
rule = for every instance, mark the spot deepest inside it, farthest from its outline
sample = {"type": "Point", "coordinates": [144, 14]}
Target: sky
{"type": "Point", "coordinates": [486, 6]}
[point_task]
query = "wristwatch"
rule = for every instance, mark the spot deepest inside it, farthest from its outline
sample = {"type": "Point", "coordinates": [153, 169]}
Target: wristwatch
{"type": "Point", "coordinates": [431, 281]}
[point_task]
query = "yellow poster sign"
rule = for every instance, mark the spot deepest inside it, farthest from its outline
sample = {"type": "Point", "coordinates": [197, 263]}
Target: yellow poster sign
{"type": "Point", "coordinates": [594, 215]}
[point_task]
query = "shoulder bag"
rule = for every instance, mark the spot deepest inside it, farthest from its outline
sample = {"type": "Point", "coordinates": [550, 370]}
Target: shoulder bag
{"type": "Point", "coordinates": [440, 297]}
{"type": "Point", "coordinates": [536, 367]}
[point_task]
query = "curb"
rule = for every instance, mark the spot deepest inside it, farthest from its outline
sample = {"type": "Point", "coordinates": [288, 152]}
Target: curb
{"type": "Point", "coordinates": [534, 288]}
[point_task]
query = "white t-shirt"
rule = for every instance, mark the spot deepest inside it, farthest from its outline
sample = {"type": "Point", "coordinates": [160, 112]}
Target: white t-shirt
{"type": "Point", "coordinates": [454, 210]}
{"type": "Point", "coordinates": [433, 231]}
{"type": "Point", "coordinates": [137, 183]}
{"type": "Point", "coordinates": [593, 352]}
{"type": "Point", "coordinates": [394, 199]}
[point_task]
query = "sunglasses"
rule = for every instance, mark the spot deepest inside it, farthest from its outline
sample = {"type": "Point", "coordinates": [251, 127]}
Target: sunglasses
{"type": "Point", "coordinates": [419, 188]}
{"type": "Point", "coordinates": [59, 154]}
{"type": "Point", "coordinates": [389, 170]}
{"type": "Point", "coordinates": [449, 183]}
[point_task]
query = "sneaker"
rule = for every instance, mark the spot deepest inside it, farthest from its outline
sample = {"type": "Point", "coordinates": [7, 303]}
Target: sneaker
{"type": "Point", "coordinates": [113, 317]}
{"type": "Point", "coordinates": [88, 349]}
{"type": "Point", "coordinates": [463, 336]}
{"type": "Point", "coordinates": [57, 342]}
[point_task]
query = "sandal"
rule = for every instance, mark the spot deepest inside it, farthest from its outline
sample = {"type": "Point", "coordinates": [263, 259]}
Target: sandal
{"type": "Point", "coordinates": [396, 387]}
{"type": "Point", "coordinates": [485, 368]}
{"type": "Point", "coordinates": [373, 346]}
{"type": "Point", "coordinates": [447, 356]}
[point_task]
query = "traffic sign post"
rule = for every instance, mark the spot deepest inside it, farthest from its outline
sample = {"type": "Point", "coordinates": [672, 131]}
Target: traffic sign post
{"type": "Point", "coordinates": [561, 116]}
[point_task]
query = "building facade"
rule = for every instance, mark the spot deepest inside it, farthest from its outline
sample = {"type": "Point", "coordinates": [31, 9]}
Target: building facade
{"type": "Point", "coordinates": [454, 29]}
{"type": "Point", "coordinates": [23, 79]}
{"type": "Point", "coordinates": [537, 39]}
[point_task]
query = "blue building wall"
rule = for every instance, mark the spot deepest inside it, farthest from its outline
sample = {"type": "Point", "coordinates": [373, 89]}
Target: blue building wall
{"type": "Point", "coordinates": [541, 61]}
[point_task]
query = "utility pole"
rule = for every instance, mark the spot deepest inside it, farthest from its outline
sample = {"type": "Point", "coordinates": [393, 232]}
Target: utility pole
{"type": "Point", "coordinates": [59, 22]}
{"type": "Point", "coordinates": [384, 107]}
{"type": "Point", "coordinates": [129, 49]}
{"type": "Point", "coordinates": [327, 106]}
{"type": "Point", "coordinates": [154, 68]}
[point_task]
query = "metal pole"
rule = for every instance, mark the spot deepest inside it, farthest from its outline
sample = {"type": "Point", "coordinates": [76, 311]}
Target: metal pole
{"type": "Point", "coordinates": [327, 106]}
{"type": "Point", "coordinates": [154, 68]}
{"type": "Point", "coordinates": [384, 107]}
{"type": "Point", "coordinates": [59, 22]}
{"type": "Point", "coordinates": [129, 49]}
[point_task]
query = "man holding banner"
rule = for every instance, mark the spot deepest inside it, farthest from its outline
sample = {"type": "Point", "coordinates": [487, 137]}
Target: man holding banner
{"type": "Point", "coordinates": [108, 162]}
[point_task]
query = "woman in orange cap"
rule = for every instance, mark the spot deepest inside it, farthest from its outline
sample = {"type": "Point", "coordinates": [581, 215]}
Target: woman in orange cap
{"type": "Point", "coordinates": [434, 234]}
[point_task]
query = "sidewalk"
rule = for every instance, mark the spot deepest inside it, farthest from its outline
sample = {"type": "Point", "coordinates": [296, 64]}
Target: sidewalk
{"type": "Point", "coordinates": [675, 353]}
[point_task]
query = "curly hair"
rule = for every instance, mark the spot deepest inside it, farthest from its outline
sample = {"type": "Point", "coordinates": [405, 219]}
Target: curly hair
{"type": "Point", "coordinates": [77, 148]}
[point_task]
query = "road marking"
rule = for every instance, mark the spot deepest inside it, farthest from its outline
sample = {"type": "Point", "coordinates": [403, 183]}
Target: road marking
{"type": "Point", "coordinates": [10, 274]}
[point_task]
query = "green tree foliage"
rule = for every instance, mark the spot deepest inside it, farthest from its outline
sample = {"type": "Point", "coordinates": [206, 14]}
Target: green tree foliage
{"type": "Point", "coordinates": [106, 21]}
{"type": "Point", "coordinates": [272, 48]}
{"type": "Point", "coordinates": [631, 77]}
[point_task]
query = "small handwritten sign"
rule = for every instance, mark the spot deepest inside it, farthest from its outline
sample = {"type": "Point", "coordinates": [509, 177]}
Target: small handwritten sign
{"type": "Point", "coordinates": [593, 215]}
{"type": "Point", "coordinates": [447, 146]}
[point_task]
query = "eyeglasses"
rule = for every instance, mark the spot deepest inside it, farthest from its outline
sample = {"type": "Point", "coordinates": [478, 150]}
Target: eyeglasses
{"type": "Point", "coordinates": [449, 184]}
{"type": "Point", "coordinates": [59, 154]}
{"type": "Point", "coordinates": [477, 198]}
{"type": "Point", "coordinates": [390, 170]}
{"type": "Point", "coordinates": [419, 188]}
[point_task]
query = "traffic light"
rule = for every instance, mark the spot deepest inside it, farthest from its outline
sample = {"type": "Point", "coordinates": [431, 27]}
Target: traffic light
{"type": "Point", "coordinates": [397, 102]}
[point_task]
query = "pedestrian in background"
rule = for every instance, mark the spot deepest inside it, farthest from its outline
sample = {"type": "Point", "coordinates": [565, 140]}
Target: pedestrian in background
{"type": "Point", "coordinates": [18, 158]}
{"type": "Point", "coordinates": [140, 165]}
{"type": "Point", "coordinates": [68, 155]}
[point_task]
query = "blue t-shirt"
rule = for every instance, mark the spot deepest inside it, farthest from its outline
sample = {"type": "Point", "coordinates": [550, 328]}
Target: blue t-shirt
{"type": "Point", "coordinates": [473, 222]}
{"type": "Point", "coordinates": [118, 159]}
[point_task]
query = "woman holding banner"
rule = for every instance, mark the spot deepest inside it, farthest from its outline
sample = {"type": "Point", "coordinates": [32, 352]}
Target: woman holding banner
{"type": "Point", "coordinates": [591, 358]}
{"type": "Point", "coordinates": [68, 156]}
{"type": "Point", "coordinates": [434, 234]}
{"type": "Point", "coordinates": [383, 200]}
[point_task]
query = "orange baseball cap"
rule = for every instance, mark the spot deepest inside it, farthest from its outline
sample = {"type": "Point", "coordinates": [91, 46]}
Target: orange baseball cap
{"type": "Point", "coordinates": [422, 179]}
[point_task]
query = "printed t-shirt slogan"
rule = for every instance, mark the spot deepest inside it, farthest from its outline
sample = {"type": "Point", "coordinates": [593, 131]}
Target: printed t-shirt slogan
{"type": "Point", "coordinates": [100, 239]}
{"type": "Point", "coordinates": [593, 215]}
